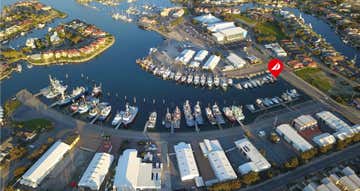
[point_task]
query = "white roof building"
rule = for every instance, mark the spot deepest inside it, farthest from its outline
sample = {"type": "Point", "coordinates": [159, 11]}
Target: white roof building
{"type": "Point", "coordinates": [44, 165]}
{"type": "Point", "coordinates": [331, 120]}
{"type": "Point", "coordinates": [185, 56]}
{"type": "Point", "coordinates": [186, 161]}
{"type": "Point", "coordinates": [207, 19]}
{"type": "Point", "coordinates": [277, 49]}
{"type": "Point", "coordinates": [324, 139]}
{"type": "Point", "coordinates": [211, 63]}
{"type": "Point", "coordinates": [95, 173]}
{"type": "Point", "coordinates": [304, 122]}
{"type": "Point", "coordinates": [292, 137]}
{"type": "Point", "coordinates": [218, 160]}
{"type": "Point", "coordinates": [230, 34]}
{"type": "Point", "coordinates": [133, 174]}
{"type": "Point", "coordinates": [257, 161]}
{"type": "Point", "coordinates": [194, 64]}
{"type": "Point", "coordinates": [217, 27]}
{"type": "Point", "coordinates": [236, 60]}
{"type": "Point", "coordinates": [201, 55]}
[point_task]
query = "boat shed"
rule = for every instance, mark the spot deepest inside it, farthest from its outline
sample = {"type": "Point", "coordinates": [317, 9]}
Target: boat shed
{"type": "Point", "coordinates": [329, 119]}
{"type": "Point", "coordinates": [218, 160]}
{"type": "Point", "coordinates": [292, 137]}
{"type": "Point", "coordinates": [257, 161]}
{"type": "Point", "coordinates": [186, 161]}
{"type": "Point", "coordinates": [95, 173]}
{"type": "Point", "coordinates": [201, 55]}
{"type": "Point", "coordinates": [185, 56]}
{"type": "Point", "coordinates": [236, 60]}
{"type": "Point", "coordinates": [324, 139]}
{"type": "Point", "coordinates": [133, 174]}
{"type": "Point", "coordinates": [304, 122]}
{"type": "Point", "coordinates": [211, 63]}
{"type": "Point", "coordinates": [207, 19]}
{"type": "Point", "coordinates": [44, 165]}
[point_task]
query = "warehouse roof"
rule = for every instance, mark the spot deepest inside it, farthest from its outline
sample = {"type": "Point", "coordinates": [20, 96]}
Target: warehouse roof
{"type": "Point", "coordinates": [324, 139]}
{"type": "Point", "coordinates": [96, 171]}
{"type": "Point", "coordinates": [46, 162]}
{"type": "Point", "coordinates": [186, 161]}
{"type": "Point", "coordinates": [294, 137]}
{"type": "Point", "coordinates": [331, 120]}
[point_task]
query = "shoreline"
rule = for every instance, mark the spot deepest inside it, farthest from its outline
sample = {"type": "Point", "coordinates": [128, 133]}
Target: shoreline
{"type": "Point", "coordinates": [81, 60]}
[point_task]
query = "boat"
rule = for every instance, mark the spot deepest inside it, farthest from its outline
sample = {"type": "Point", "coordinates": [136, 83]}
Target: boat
{"type": "Point", "coordinates": [105, 112]}
{"type": "Point", "coordinates": [97, 90]}
{"type": "Point", "coordinates": [203, 80]}
{"type": "Point", "coordinates": [117, 119]}
{"type": "Point", "coordinates": [229, 114]}
{"type": "Point", "coordinates": [55, 88]}
{"type": "Point", "coordinates": [176, 118]}
{"type": "Point", "coordinates": [152, 120]}
{"type": "Point", "coordinates": [230, 81]}
{"type": "Point", "coordinates": [210, 116]}
{"type": "Point", "coordinates": [178, 76]}
{"type": "Point", "coordinates": [74, 107]}
{"type": "Point", "coordinates": [83, 107]}
{"type": "Point", "coordinates": [217, 113]}
{"type": "Point", "coordinates": [238, 113]}
{"type": "Point", "coordinates": [238, 86]}
{"type": "Point", "coordinates": [183, 79]}
{"type": "Point", "coordinates": [196, 80]}
{"type": "Point", "coordinates": [78, 92]}
{"type": "Point", "coordinates": [93, 112]}
{"type": "Point", "coordinates": [190, 79]}
{"type": "Point", "coordinates": [216, 81]}
{"type": "Point", "coordinates": [209, 81]}
{"type": "Point", "coordinates": [197, 114]}
{"type": "Point", "coordinates": [224, 84]}
{"type": "Point", "coordinates": [167, 121]}
{"type": "Point", "coordinates": [64, 100]}
{"type": "Point", "coordinates": [251, 107]}
{"type": "Point", "coordinates": [129, 114]}
{"type": "Point", "coordinates": [188, 114]}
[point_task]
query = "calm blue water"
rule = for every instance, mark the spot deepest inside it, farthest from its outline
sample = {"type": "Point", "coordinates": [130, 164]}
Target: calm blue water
{"type": "Point", "coordinates": [120, 76]}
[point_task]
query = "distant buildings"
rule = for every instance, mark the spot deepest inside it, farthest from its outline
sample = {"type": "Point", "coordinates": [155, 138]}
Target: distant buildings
{"type": "Point", "coordinates": [236, 60]}
{"type": "Point", "coordinates": [293, 138]}
{"type": "Point", "coordinates": [95, 173]}
{"type": "Point", "coordinates": [133, 174]}
{"type": "Point", "coordinates": [42, 167]}
{"type": "Point", "coordinates": [186, 161]}
{"type": "Point", "coordinates": [218, 160]}
{"type": "Point", "coordinates": [257, 161]}
{"type": "Point", "coordinates": [276, 49]}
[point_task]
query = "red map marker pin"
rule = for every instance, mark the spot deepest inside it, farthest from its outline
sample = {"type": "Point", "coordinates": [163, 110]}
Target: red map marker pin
{"type": "Point", "coordinates": [275, 66]}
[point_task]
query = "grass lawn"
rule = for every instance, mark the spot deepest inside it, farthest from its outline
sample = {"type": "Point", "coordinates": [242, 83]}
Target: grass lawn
{"type": "Point", "coordinates": [36, 125]}
{"type": "Point", "coordinates": [10, 106]}
{"type": "Point", "coordinates": [316, 77]}
{"type": "Point", "coordinates": [243, 18]}
{"type": "Point", "coordinates": [269, 29]}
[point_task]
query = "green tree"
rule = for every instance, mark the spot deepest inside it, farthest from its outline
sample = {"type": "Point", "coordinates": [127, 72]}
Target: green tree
{"type": "Point", "coordinates": [293, 163]}
{"type": "Point", "coordinates": [250, 178]}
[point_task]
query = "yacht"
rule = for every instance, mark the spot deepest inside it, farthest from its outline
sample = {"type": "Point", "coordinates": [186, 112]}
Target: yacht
{"type": "Point", "coordinates": [178, 76]}
{"type": "Point", "coordinates": [216, 81]}
{"type": "Point", "coordinates": [190, 78]}
{"type": "Point", "coordinates": [238, 113]}
{"type": "Point", "coordinates": [229, 114]}
{"type": "Point", "coordinates": [167, 121]}
{"type": "Point", "coordinates": [209, 81]}
{"type": "Point", "coordinates": [203, 80]}
{"type": "Point", "coordinates": [196, 80]}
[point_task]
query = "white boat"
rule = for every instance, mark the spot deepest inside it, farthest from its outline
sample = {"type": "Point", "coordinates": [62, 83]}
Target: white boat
{"type": "Point", "coordinates": [196, 80]}
{"type": "Point", "coordinates": [151, 123]}
{"type": "Point", "coordinates": [224, 84]}
{"type": "Point", "coordinates": [197, 114]}
{"type": "Point", "coordinates": [209, 81]}
{"type": "Point", "coordinates": [203, 80]}
{"type": "Point", "coordinates": [83, 108]}
{"type": "Point", "coordinates": [117, 119]}
{"type": "Point", "coordinates": [105, 112]}
{"type": "Point", "coordinates": [216, 81]}
{"type": "Point", "coordinates": [238, 113]}
{"type": "Point", "coordinates": [93, 112]}
{"type": "Point", "coordinates": [178, 76]}
{"type": "Point", "coordinates": [190, 79]}
{"type": "Point", "coordinates": [129, 114]}
{"type": "Point", "coordinates": [230, 81]}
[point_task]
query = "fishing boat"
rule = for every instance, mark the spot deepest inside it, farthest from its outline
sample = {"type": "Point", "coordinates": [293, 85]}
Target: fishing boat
{"type": "Point", "coordinates": [216, 81]}
{"type": "Point", "coordinates": [97, 90]}
{"type": "Point", "coordinates": [176, 118]}
{"type": "Point", "coordinates": [167, 121]}
{"type": "Point", "coordinates": [188, 114]}
{"type": "Point", "coordinates": [55, 88]}
{"type": "Point", "coordinates": [229, 114]}
{"type": "Point", "coordinates": [83, 107]}
{"type": "Point", "coordinates": [217, 113]}
{"type": "Point", "coordinates": [197, 114]}
{"type": "Point", "coordinates": [210, 116]}
{"type": "Point", "coordinates": [203, 80]}
{"type": "Point", "coordinates": [74, 107]}
{"type": "Point", "coordinates": [93, 112]}
{"type": "Point", "coordinates": [129, 114]}
{"type": "Point", "coordinates": [152, 120]}
{"type": "Point", "coordinates": [238, 113]}
{"type": "Point", "coordinates": [209, 81]}
{"type": "Point", "coordinates": [64, 100]}
{"type": "Point", "coordinates": [117, 119]}
{"type": "Point", "coordinates": [105, 112]}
